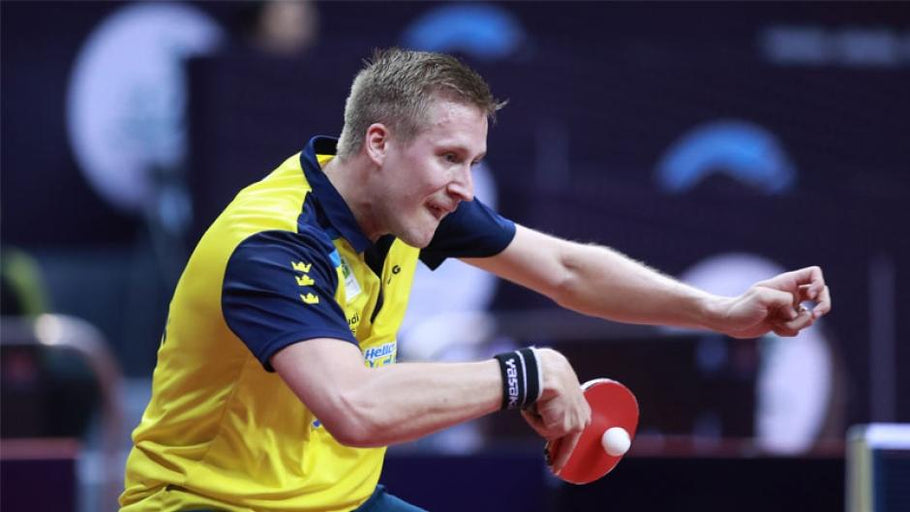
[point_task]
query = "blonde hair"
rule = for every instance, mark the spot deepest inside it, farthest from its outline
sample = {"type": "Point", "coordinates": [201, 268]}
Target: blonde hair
{"type": "Point", "coordinates": [396, 88]}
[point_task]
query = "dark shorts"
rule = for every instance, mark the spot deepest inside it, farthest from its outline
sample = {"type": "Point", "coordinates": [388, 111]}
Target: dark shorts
{"type": "Point", "coordinates": [382, 501]}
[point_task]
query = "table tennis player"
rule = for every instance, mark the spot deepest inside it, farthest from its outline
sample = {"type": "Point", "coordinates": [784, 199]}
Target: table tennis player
{"type": "Point", "coordinates": [276, 386]}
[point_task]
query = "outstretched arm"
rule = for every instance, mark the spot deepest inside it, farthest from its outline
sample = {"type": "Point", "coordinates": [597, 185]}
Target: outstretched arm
{"type": "Point", "coordinates": [602, 282]}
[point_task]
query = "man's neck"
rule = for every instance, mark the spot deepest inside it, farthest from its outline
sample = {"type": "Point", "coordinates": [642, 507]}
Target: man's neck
{"type": "Point", "coordinates": [350, 177]}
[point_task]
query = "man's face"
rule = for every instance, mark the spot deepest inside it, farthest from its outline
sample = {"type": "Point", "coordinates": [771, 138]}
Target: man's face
{"type": "Point", "coordinates": [425, 178]}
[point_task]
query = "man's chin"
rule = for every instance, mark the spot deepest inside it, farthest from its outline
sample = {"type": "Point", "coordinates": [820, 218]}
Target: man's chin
{"type": "Point", "coordinates": [417, 242]}
{"type": "Point", "coordinates": [418, 239]}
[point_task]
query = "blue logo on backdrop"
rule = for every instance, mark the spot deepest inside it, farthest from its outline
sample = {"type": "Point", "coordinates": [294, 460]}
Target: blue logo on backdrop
{"type": "Point", "coordinates": [482, 31]}
{"type": "Point", "coordinates": [744, 151]}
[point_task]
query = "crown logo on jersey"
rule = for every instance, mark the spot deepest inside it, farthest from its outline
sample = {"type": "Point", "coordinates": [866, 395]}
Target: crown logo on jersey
{"type": "Point", "coordinates": [305, 281]}
{"type": "Point", "coordinates": [309, 298]}
{"type": "Point", "coordinates": [300, 266]}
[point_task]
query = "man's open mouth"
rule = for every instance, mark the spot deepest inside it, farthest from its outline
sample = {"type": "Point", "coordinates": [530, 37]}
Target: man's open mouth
{"type": "Point", "coordinates": [437, 211]}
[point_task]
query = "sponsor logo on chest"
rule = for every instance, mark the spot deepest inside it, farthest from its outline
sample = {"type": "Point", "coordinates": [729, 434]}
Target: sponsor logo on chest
{"type": "Point", "coordinates": [382, 355]}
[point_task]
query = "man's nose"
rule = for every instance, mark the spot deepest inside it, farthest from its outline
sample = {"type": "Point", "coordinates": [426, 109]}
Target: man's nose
{"type": "Point", "coordinates": [462, 186]}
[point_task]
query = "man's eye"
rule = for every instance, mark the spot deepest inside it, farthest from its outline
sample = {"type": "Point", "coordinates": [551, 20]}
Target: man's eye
{"type": "Point", "coordinates": [451, 158]}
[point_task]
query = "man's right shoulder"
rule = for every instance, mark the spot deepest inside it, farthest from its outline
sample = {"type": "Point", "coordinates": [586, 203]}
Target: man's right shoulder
{"type": "Point", "coordinates": [283, 201]}
{"type": "Point", "coordinates": [278, 212]}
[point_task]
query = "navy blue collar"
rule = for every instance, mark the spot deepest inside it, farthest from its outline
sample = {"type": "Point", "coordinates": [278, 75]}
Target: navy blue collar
{"type": "Point", "coordinates": [338, 212]}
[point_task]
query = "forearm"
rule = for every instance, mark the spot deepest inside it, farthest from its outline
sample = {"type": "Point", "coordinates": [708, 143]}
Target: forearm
{"type": "Point", "coordinates": [363, 406]}
{"type": "Point", "coordinates": [406, 401]}
{"type": "Point", "coordinates": [602, 282]}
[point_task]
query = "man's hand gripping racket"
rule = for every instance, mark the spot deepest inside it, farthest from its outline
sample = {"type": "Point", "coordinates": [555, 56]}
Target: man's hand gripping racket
{"type": "Point", "coordinates": [614, 419]}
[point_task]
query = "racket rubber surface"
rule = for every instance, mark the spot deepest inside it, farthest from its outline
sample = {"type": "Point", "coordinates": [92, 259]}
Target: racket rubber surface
{"type": "Point", "coordinates": [612, 405]}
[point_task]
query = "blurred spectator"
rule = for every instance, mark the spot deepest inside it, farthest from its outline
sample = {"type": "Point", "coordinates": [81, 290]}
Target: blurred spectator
{"type": "Point", "coordinates": [23, 292]}
{"type": "Point", "coordinates": [46, 392]}
{"type": "Point", "coordinates": [281, 27]}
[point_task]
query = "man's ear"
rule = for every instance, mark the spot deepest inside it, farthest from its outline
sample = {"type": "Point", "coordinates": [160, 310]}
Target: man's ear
{"type": "Point", "coordinates": [377, 142]}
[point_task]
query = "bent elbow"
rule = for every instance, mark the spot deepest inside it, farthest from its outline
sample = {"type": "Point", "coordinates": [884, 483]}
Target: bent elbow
{"type": "Point", "coordinates": [348, 434]}
{"type": "Point", "coordinates": [354, 425]}
{"type": "Point", "coordinates": [564, 292]}
{"type": "Point", "coordinates": [563, 284]}
{"type": "Point", "coordinates": [572, 295]}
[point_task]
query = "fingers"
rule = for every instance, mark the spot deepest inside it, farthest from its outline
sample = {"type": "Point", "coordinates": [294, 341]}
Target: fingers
{"type": "Point", "coordinates": [566, 447]}
{"type": "Point", "coordinates": [811, 277]}
{"type": "Point", "coordinates": [562, 409]}
{"type": "Point", "coordinates": [804, 318]}
{"type": "Point", "coordinates": [559, 416]}
{"type": "Point", "coordinates": [780, 301]}
{"type": "Point", "coordinates": [807, 284]}
{"type": "Point", "coordinates": [816, 281]}
{"type": "Point", "coordinates": [813, 287]}
{"type": "Point", "coordinates": [822, 303]}
{"type": "Point", "coordinates": [536, 422]}
{"type": "Point", "coordinates": [821, 298]}
{"type": "Point", "coordinates": [791, 281]}
{"type": "Point", "coordinates": [806, 292]}
{"type": "Point", "coordinates": [786, 333]}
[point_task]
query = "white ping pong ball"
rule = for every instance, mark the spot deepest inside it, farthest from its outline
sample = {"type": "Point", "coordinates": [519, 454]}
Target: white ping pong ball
{"type": "Point", "coordinates": [616, 441]}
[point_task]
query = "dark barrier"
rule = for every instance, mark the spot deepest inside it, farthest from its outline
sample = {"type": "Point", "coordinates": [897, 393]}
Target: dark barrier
{"type": "Point", "coordinates": [716, 484]}
{"type": "Point", "coordinates": [518, 482]}
{"type": "Point", "coordinates": [38, 474]}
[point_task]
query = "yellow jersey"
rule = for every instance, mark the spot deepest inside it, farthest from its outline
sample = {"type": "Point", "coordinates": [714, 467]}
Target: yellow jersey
{"type": "Point", "coordinates": [284, 263]}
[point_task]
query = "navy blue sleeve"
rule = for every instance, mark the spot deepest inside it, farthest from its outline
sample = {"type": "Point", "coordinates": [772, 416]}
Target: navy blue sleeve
{"type": "Point", "coordinates": [279, 288]}
{"type": "Point", "coordinates": [471, 231]}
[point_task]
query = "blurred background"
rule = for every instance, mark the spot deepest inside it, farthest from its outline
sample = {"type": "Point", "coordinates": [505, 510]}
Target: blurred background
{"type": "Point", "coordinates": [721, 143]}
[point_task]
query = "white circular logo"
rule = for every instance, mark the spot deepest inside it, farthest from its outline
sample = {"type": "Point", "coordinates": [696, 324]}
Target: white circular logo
{"type": "Point", "coordinates": [127, 95]}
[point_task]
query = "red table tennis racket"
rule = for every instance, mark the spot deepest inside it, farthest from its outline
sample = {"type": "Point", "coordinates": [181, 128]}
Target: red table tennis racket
{"type": "Point", "coordinates": [612, 405]}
